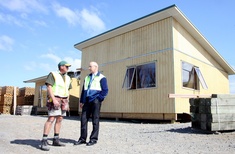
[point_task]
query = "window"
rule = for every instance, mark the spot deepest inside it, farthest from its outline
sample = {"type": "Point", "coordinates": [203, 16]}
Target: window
{"type": "Point", "coordinates": [72, 74]}
{"type": "Point", "coordinates": [140, 76]}
{"type": "Point", "coordinates": [191, 76]}
{"type": "Point", "coordinates": [128, 81]}
{"type": "Point", "coordinates": [200, 77]}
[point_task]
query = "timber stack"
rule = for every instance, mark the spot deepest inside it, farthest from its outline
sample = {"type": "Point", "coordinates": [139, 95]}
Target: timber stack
{"type": "Point", "coordinates": [6, 99]}
{"type": "Point", "coordinates": [26, 96]}
{"type": "Point", "coordinates": [25, 101]}
{"type": "Point", "coordinates": [213, 114]}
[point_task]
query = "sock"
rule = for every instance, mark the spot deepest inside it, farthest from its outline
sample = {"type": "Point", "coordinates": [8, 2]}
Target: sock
{"type": "Point", "coordinates": [56, 135]}
{"type": "Point", "coordinates": [44, 137]}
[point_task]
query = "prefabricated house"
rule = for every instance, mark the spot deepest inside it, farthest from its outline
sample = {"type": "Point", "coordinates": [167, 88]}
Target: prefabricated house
{"type": "Point", "coordinates": [40, 97]}
{"type": "Point", "coordinates": [150, 58]}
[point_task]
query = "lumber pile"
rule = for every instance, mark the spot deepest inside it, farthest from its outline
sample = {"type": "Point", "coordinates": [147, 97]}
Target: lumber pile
{"type": "Point", "coordinates": [26, 91]}
{"type": "Point", "coordinates": [25, 100]}
{"type": "Point", "coordinates": [6, 99]}
{"type": "Point", "coordinates": [213, 114]}
{"type": "Point", "coordinates": [26, 96]}
{"type": "Point", "coordinates": [9, 90]}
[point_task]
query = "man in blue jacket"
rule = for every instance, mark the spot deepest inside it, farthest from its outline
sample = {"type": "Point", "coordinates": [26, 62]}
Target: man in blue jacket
{"type": "Point", "coordinates": [95, 89]}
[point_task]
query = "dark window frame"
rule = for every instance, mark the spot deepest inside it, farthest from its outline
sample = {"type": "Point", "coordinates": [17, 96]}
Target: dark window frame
{"type": "Point", "coordinates": [138, 79]}
{"type": "Point", "coordinates": [193, 75]}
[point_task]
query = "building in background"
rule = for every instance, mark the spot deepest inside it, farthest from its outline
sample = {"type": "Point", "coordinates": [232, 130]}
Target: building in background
{"type": "Point", "coordinates": [40, 97]}
{"type": "Point", "coordinates": [149, 58]}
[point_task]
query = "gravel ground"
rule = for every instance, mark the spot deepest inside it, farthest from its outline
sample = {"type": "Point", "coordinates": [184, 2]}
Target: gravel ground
{"type": "Point", "coordinates": [22, 135]}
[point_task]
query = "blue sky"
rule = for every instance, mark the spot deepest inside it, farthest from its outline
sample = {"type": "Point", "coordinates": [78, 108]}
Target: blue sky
{"type": "Point", "coordinates": [36, 34]}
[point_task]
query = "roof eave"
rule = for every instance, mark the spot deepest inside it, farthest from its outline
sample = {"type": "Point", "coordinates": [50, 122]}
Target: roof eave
{"type": "Point", "coordinates": [171, 11]}
{"type": "Point", "coordinates": [36, 79]}
{"type": "Point", "coordinates": [158, 15]}
{"type": "Point", "coordinates": [182, 19]}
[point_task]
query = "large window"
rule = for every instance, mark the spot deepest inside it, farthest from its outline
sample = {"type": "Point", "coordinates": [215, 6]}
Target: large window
{"type": "Point", "coordinates": [140, 76]}
{"type": "Point", "coordinates": [191, 76]}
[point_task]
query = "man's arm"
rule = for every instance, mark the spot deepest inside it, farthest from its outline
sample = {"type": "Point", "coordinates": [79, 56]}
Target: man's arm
{"type": "Point", "coordinates": [49, 90]}
{"type": "Point", "coordinates": [81, 97]}
{"type": "Point", "coordinates": [104, 89]}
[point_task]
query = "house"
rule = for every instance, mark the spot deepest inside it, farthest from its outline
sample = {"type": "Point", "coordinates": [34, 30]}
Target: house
{"type": "Point", "coordinates": [40, 97]}
{"type": "Point", "coordinates": [149, 58]}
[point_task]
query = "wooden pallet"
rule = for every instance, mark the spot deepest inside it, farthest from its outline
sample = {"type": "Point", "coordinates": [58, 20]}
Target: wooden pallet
{"type": "Point", "coordinates": [25, 110]}
{"type": "Point", "coordinates": [25, 100]}
{"type": "Point", "coordinates": [26, 91]}
{"type": "Point", "coordinates": [6, 99]}
{"type": "Point", "coordinates": [9, 90]}
{"type": "Point", "coordinates": [5, 109]}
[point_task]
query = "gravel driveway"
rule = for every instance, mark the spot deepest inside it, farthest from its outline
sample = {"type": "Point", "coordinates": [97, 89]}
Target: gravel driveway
{"type": "Point", "coordinates": [22, 135]}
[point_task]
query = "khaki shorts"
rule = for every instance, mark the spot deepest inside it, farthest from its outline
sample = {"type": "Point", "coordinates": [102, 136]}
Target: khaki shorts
{"type": "Point", "coordinates": [58, 112]}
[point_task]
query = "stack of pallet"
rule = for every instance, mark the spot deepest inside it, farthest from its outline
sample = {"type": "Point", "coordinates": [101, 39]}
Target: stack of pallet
{"type": "Point", "coordinates": [213, 114]}
{"type": "Point", "coordinates": [6, 99]}
{"type": "Point", "coordinates": [26, 96]}
{"type": "Point", "coordinates": [25, 110]}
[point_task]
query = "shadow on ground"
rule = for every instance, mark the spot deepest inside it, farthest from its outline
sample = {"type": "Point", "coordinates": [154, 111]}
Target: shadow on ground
{"type": "Point", "coordinates": [36, 143]}
{"type": "Point", "coordinates": [190, 130]}
{"type": "Point", "coordinates": [29, 142]}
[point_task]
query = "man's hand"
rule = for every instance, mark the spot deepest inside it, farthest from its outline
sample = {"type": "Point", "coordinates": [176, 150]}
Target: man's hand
{"type": "Point", "coordinates": [56, 103]}
{"type": "Point", "coordinates": [81, 105]}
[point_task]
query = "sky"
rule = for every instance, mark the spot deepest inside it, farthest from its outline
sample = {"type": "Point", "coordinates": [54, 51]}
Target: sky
{"type": "Point", "coordinates": [36, 34]}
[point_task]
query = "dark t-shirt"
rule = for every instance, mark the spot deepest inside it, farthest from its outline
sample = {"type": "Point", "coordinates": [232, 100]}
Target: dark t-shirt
{"type": "Point", "coordinates": [51, 80]}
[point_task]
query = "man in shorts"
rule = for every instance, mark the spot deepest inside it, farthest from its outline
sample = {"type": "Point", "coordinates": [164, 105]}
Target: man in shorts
{"type": "Point", "coordinates": [58, 85]}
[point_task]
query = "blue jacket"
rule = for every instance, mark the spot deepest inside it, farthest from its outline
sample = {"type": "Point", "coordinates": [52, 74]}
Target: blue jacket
{"type": "Point", "coordinates": [99, 94]}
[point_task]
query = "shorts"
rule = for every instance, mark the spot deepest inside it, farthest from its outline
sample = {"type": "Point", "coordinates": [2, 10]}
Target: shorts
{"type": "Point", "coordinates": [58, 112]}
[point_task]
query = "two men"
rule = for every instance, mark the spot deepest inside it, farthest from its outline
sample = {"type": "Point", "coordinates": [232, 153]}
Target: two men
{"type": "Point", "coordinates": [58, 85]}
{"type": "Point", "coordinates": [95, 89]}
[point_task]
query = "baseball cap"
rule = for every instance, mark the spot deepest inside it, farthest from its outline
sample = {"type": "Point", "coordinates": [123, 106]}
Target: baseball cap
{"type": "Point", "coordinates": [64, 63]}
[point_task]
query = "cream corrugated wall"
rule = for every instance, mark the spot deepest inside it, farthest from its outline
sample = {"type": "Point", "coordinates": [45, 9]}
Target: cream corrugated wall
{"type": "Point", "coordinates": [187, 49]}
{"type": "Point", "coordinates": [115, 54]}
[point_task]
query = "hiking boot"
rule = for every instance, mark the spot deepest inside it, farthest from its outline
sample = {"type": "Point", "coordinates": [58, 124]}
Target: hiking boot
{"type": "Point", "coordinates": [56, 142]}
{"type": "Point", "coordinates": [45, 145]}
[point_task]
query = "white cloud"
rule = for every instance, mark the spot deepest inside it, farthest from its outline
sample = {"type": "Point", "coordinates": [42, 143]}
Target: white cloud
{"type": "Point", "coordinates": [47, 67]}
{"type": "Point", "coordinates": [40, 23]}
{"type": "Point", "coordinates": [6, 43]}
{"type": "Point", "coordinates": [9, 19]}
{"type": "Point", "coordinates": [33, 65]}
{"type": "Point", "coordinates": [51, 56]}
{"type": "Point", "coordinates": [23, 9]}
{"type": "Point", "coordinates": [23, 5]}
{"type": "Point", "coordinates": [76, 63]}
{"type": "Point", "coordinates": [89, 20]}
{"type": "Point", "coordinates": [72, 17]}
